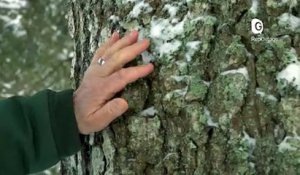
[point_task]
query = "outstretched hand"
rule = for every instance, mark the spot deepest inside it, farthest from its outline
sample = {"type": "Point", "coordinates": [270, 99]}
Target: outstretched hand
{"type": "Point", "coordinates": [94, 105]}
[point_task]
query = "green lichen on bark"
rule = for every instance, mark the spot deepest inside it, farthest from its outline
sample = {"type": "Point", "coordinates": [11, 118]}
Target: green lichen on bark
{"type": "Point", "coordinates": [220, 108]}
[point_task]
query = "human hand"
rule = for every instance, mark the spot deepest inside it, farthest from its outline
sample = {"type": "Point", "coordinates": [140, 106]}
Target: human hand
{"type": "Point", "coordinates": [93, 104]}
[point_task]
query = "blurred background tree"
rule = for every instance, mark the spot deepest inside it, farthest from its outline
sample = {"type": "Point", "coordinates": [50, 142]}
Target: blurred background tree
{"type": "Point", "coordinates": [35, 48]}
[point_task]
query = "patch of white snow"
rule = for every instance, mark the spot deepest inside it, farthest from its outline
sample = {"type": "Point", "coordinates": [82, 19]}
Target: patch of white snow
{"type": "Point", "coordinates": [140, 7]}
{"type": "Point", "coordinates": [180, 78]}
{"type": "Point", "coordinates": [264, 95]}
{"type": "Point", "coordinates": [169, 47]}
{"type": "Point", "coordinates": [176, 93]}
{"type": "Point", "coordinates": [250, 141]}
{"type": "Point", "coordinates": [290, 75]}
{"type": "Point", "coordinates": [151, 111]}
{"type": "Point", "coordinates": [192, 47]}
{"type": "Point", "coordinates": [210, 122]}
{"type": "Point", "coordinates": [285, 146]}
{"type": "Point", "coordinates": [114, 18]}
{"type": "Point", "coordinates": [147, 57]}
{"type": "Point", "coordinates": [287, 19]}
{"type": "Point", "coordinates": [172, 10]}
{"type": "Point", "coordinates": [162, 29]}
{"type": "Point", "coordinates": [291, 3]}
{"type": "Point", "coordinates": [242, 71]}
{"type": "Point", "coordinates": [254, 6]}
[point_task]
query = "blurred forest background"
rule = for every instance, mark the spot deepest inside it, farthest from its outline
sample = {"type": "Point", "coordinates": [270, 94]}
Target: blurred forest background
{"type": "Point", "coordinates": [35, 48]}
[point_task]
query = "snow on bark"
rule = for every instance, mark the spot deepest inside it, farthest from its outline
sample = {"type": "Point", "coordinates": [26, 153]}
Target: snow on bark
{"type": "Point", "coordinates": [213, 105]}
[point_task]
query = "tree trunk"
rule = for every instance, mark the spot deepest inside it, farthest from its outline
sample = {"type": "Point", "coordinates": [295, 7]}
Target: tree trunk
{"type": "Point", "coordinates": [222, 100]}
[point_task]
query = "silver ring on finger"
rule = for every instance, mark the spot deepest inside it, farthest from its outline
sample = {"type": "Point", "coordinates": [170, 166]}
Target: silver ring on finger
{"type": "Point", "coordinates": [101, 61]}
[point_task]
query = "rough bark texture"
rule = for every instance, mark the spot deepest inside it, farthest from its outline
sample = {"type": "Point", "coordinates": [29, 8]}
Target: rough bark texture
{"type": "Point", "coordinates": [216, 103]}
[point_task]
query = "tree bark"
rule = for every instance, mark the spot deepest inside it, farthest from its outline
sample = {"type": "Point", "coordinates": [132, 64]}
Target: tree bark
{"type": "Point", "coordinates": [220, 100]}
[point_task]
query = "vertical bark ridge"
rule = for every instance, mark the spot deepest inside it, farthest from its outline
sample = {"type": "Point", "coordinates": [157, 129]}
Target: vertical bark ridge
{"type": "Point", "coordinates": [219, 108]}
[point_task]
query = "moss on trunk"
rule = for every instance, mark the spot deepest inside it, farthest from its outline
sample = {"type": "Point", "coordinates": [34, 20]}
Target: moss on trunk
{"type": "Point", "coordinates": [219, 105]}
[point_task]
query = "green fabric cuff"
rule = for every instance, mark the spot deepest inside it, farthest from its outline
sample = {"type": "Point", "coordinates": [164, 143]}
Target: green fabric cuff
{"type": "Point", "coordinates": [37, 131]}
{"type": "Point", "coordinates": [63, 123]}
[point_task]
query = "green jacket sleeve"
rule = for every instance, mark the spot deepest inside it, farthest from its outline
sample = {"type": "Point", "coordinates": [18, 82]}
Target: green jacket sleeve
{"type": "Point", "coordinates": [37, 131]}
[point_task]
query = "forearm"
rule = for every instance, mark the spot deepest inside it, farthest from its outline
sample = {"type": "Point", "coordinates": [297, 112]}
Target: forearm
{"type": "Point", "coordinates": [37, 131]}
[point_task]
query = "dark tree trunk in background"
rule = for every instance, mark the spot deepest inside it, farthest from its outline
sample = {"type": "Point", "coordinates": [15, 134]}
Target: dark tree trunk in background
{"type": "Point", "coordinates": [217, 102]}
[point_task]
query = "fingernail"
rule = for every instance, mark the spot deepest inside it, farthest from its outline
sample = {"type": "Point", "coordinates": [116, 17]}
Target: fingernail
{"type": "Point", "coordinates": [146, 40]}
{"type": "Point", "coordinates": [115, 34]}
{"type": "Point", "coordinates": [133, 33]}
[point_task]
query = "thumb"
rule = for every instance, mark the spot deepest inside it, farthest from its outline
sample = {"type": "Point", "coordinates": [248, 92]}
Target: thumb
{"type": "Point", "coordinates": [110, 111]}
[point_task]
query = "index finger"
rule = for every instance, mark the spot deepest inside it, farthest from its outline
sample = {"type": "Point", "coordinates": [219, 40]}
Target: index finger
{"type": "Point", "coordinates": [125, 55]}
{"type": "Point", "coordinates": [100, 51]}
